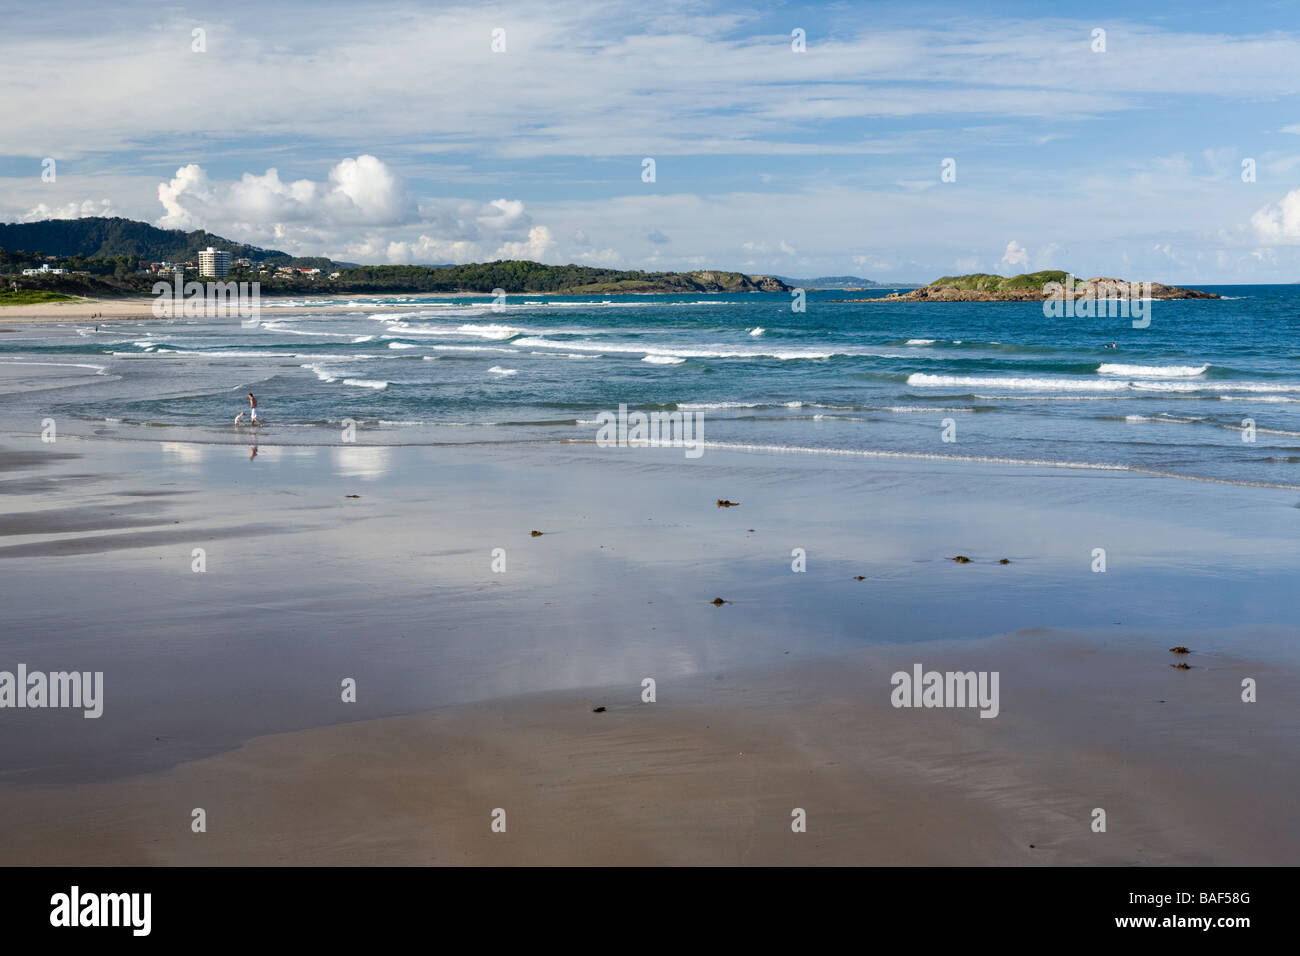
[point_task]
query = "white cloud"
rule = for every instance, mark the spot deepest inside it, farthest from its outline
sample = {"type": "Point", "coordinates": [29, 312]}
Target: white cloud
{"type": "Point", "coordinates": [1015, 256]}
{"type": "Point", "coordinates": [536, 247]}
{"type": "Point", "coordinates": [608, 258]}
{"type": "Point", "coordinates": [68, 210]}
{"type": "Point", "coordinates": [1045, 258]}
{"type": "Point", "coordinates": [1281, 222]}
{"type": "Point", "coordinates": [361, 191]}
{"type": "Point", "coordinates": [314, 218]}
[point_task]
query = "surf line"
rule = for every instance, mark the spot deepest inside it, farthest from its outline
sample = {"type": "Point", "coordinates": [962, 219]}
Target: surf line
{"type": "Point", "coordinates": [211, 300]}
{"type": "Point", "coordinates": [656, 430]}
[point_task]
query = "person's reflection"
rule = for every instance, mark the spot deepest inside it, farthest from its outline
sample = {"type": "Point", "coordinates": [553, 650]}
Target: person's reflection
{"type": "Point", "coordinates": [252, 451]}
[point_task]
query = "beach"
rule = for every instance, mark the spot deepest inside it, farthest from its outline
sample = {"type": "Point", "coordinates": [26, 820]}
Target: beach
{"type": "Point", "coordinates": [476, 689]}
{"type": "Point", "coordinates": [142, 309]}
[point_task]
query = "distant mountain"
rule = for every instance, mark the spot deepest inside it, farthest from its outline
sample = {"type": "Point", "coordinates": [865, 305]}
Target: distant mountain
{"type": "Point", "coordinates": [100, 254]}
{"type": "Point", "coordinates": [830, 282]}
{"type": "Point", "coordinates": [528, 276]}
{"type": "Point", "coordinates": [99, 237]}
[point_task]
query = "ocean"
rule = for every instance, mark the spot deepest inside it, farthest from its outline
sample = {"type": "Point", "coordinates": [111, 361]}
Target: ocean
{"type": "Point", "coordinates": [1209, 390]}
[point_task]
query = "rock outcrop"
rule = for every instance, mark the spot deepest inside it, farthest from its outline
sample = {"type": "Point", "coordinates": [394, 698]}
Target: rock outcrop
{"type": "Point", "coordinates": [1036, 287]}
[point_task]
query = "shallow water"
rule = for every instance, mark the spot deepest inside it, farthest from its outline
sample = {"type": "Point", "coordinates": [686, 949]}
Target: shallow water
{"type": "Point", "coordinates": [1001, 380]}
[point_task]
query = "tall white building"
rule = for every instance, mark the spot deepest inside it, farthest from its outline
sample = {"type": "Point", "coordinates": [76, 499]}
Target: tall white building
{"type": "Point", "coordinates": [214, 262]}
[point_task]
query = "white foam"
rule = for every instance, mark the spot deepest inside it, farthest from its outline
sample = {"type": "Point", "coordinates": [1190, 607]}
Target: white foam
{"type": "Point", "coordinates": [281, 327]}
{"type": "Point", "coordinates": [402, 345]}
{"type": "Point", "coordinates": [1257, 398]}
{"type": "Point", "coordinates": [757, 331]}
{"type": "Point", "coordinates": [1151, 371]}
{"type": "Point", "coordinates": [924, 409]}
{"type": "Point", "coordinates": [924, 380]}
{"type": "Point", "coordinates": [716, 351]}
{"type": "Point", "coordinates": [919, 342]}
{"type": "Point", "coordinates": [365, 383]}
{"type": "Point", "coordinates": [472, 348]}
{"type": "Point", "coordinates": [490, 331]}
{"type": "Point", "coordinates": [663, 360]}
{"type": "Point", "coordinates": [321, 374]}
{"type": "Point", "coordinates": [1163, 418]}
{"type": "Point", "coordinates": [498, 370]}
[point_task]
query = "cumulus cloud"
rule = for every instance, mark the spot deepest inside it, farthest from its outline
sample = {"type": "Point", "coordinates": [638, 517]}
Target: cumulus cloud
{"type": "Point", "coordinates": [69, 210]}
{"type": "Point", "coordinates": [538, 244]}
{"type": "Point", "coordinates": [608, 258]}
{"type": "Point", "coordinates": [1279, 222]}
{"type": "Point", "coordinates": [428, 249]}
{"type": "Point", "coordinates": [361, 191]}
{"type": "Point", "coordinates": [328, 217]}
{"type": "Point", "coordinates": [1015, 256]}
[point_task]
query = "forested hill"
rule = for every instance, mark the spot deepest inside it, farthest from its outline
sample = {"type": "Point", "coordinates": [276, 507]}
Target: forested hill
{"type": "Point", "coordinates": [99, 237]}
{"type": "Point", "coordinates": [527, 276]}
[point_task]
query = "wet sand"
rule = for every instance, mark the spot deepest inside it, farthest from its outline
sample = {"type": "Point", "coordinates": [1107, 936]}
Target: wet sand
{"type": "Point", "coordinates": [475, 690]}
{"type": "Point", "coordinates": [712, 771]}
{"type": "Point", "coordinates": [108, 310]}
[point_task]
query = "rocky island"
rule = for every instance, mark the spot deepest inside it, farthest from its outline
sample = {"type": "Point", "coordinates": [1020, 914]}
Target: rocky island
{"type": "Point", "coordinates": [1034, 287]}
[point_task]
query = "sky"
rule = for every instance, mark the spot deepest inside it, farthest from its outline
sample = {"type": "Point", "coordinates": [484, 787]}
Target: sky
{"type": "Point", "coordinates": [893, 141]}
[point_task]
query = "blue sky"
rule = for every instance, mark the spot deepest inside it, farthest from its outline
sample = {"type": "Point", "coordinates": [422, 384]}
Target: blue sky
{"type": "Point", "coordinates": [392, 132]}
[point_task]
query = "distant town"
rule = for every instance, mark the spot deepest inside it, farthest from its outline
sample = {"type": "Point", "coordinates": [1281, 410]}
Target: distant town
{"type": "Point", "coordinates": [213, 263]}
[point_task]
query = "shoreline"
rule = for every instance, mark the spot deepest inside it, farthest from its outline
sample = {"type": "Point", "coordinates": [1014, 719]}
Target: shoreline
{"type": "Point", "coordinates": [142, 308]}
{"type": "Point", "coordinates": [477, 690]}
{"type": "Point", "coordinates": [271, 436]}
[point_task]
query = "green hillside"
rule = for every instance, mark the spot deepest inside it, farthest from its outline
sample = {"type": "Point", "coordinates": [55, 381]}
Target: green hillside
{"type": "Point", "coordinates": [98, 237]}
{"type": "Point", "coordinates": [986, 282]}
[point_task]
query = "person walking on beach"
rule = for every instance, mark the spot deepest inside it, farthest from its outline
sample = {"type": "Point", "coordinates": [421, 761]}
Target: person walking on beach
{"type": "Point", "coordinates": [252, 411]}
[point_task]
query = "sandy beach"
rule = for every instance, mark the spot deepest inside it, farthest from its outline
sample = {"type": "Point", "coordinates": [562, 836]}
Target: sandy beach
{"type": "Point", "coordinates": [141, 309]}
{"type": "Point", "coordinates": [712, 773]}
{"type": "Point", "coordinates": [476, 690]}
